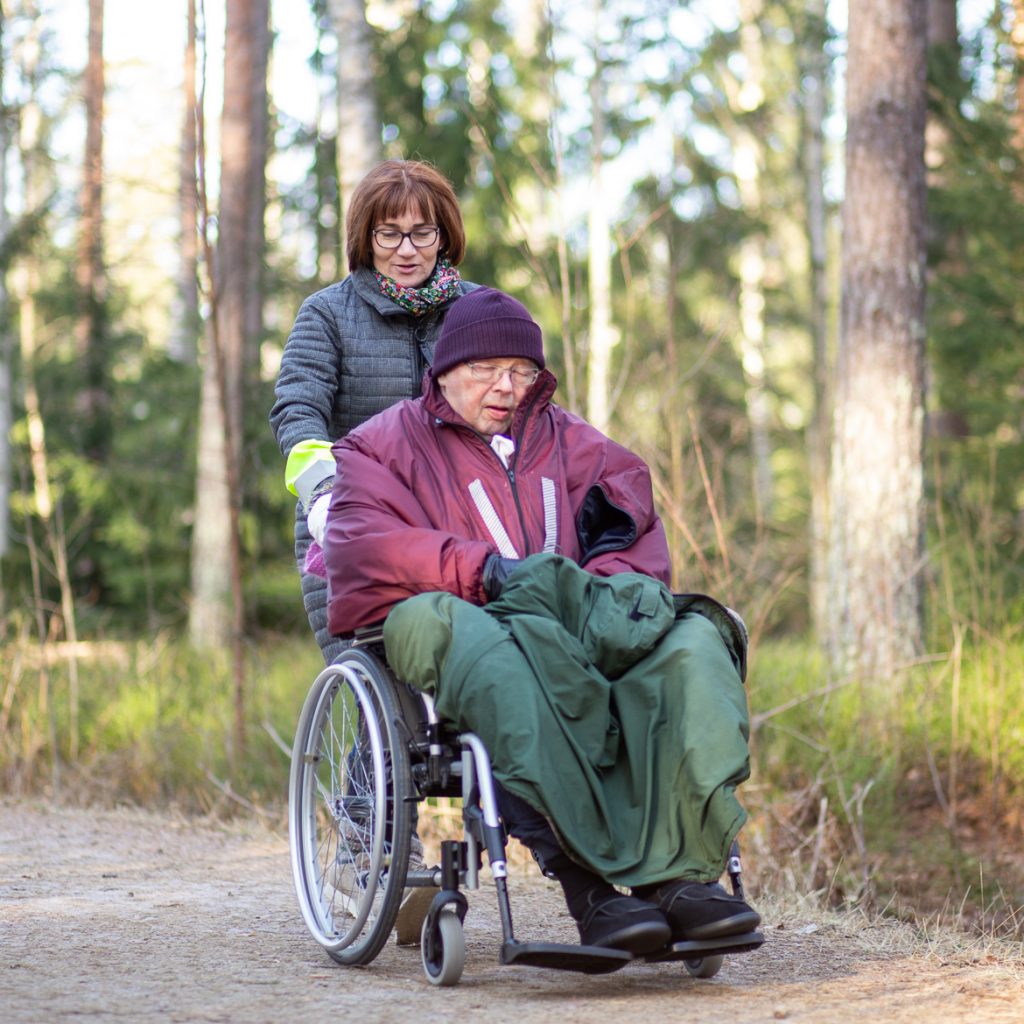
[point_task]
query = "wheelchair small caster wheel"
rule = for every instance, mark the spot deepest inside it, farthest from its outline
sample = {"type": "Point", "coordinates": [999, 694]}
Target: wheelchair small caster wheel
{"type": "Point", "coordinates": [705, 967]}
{"type": "Point", "coordinates": [443, 952]}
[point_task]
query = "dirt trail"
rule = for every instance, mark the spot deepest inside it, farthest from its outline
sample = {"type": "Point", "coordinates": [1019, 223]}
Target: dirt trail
{"type": "Point", "coordinates": [127, 916]}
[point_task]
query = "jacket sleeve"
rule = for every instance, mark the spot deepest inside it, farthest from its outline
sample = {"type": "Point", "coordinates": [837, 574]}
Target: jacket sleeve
{"type": "Point", "coordinates": [616, 523]}
{"type": "Point", "coordinates": [381, 548]}
{"type": "Point", "coordinates": [304, 397]}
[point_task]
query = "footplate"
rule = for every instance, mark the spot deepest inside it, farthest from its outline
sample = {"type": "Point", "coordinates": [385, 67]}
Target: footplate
{"type": "Point", "coordinates": [695, 949]}
{"type": "Point", "coordinates": [562, 957]}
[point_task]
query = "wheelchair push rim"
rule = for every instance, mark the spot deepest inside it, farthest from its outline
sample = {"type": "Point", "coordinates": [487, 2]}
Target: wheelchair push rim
{"type": "Point", "coordinates": [345, 795]}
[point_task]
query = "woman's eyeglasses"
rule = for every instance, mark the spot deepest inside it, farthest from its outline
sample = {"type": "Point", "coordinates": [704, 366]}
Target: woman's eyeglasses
{"type": "Point", "coordinates": [392, 238]}
{"type": "Point", "coordinates": [487, 373]}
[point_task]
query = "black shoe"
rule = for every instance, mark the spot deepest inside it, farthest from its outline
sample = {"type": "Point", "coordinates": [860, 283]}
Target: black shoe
{"type": "Point", "coordinates": [703, 910]}
{"type": "Point", "coordinates": [624, 922]}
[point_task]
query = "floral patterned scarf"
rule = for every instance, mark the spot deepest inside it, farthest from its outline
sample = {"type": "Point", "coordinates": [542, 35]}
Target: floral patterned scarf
{"type": "Point", "coordinates": [442, 285]}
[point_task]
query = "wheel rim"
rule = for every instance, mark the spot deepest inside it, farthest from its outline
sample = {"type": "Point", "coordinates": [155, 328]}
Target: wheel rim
{"type": "Point", "coordinates": [342, 810]}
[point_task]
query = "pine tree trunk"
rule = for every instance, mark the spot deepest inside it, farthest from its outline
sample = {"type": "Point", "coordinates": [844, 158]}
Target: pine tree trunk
{"type": "Point", "coordinates": [1017, 40]}
{"type": "Point", "coordinates": [359, 127]}
{"type": "Point", "coordinates": [877, 536]}
{"type": "Point", "coordinates": [234, 333]}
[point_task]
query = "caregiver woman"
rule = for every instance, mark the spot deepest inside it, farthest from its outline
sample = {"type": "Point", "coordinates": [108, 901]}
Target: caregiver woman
{"type": "Point", "coordinates": [363, 343]}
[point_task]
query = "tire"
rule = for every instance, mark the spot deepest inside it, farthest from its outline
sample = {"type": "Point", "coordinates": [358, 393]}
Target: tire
{"type": "Point", "coordinates": [705, 967]}
{"type": "Point", "coordinates": [444, 958]}
{"type": "Point", "coordinates": [349, 808]}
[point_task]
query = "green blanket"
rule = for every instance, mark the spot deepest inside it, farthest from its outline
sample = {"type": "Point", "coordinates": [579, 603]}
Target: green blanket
{"type": "Point", "coordinates": [618, 715]}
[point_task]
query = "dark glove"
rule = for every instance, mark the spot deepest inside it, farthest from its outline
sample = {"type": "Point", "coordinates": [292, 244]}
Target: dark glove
{"type": "Point", "coordinates": [496, 573]}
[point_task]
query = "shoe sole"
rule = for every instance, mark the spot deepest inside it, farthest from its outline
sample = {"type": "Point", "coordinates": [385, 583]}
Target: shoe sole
{"type": "Point", "coordinates": [735, 925]}
{"type": "Point", "coordinates": [409, 922]}
{"type": "Point", "coordinates": [637, 939]}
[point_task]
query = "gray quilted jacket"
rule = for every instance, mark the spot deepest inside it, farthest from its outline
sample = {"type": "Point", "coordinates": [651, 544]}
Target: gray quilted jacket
{"type": "Point", "coordinates": [352, 353]}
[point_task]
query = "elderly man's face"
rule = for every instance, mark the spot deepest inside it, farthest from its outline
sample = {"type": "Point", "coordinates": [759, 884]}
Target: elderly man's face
{"type": "Point", "coordinates": [486, 392]}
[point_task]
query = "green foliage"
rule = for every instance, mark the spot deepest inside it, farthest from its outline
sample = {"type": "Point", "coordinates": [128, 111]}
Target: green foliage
{"type": "Point", "coordinates": [156, 723]}
{"type": "Point", "coordinates": [851, 772]}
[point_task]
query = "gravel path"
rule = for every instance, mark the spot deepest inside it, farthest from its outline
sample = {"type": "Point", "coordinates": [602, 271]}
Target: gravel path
{"type": "Point", "coordinates": [128, 916]}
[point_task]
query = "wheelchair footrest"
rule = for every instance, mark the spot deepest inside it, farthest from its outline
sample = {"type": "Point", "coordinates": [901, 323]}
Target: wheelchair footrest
{"type": "Point", "coordinates": [695, 949]}
{"type": "Point", "coordinates": [562, 957]}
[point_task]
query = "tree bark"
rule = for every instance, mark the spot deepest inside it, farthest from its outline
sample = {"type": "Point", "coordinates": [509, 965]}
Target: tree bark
{"type": "Point", "coordinates": [814, 73]}
{"type": "Point", "coordinates": [217, 614]}
{"type": "Point", "coordinates": [359, 128]}
{"type": "Point", "coordinates": [877, 538]}
{"type": "Point", "coordinates": [6, 343]}
{"type": "Point", "coordinates": [90, 274]}
{"type": "Point", "coordinates": [602, 335]}
{"type": "Point", "coordinates": [749, 160]}
{"type": "Point", "coordinates": [1017, 40]}
{"type": "Point", "coordinates": [26, 285]}
{"type": "Point", "coordinates": [185, 319]}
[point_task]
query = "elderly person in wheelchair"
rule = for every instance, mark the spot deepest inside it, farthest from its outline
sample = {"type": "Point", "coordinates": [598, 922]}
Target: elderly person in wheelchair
{"type": "Point", "coordinates": [515, 557]}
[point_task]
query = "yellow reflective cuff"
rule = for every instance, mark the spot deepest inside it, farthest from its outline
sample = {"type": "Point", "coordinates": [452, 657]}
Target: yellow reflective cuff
{"type": "Point", "coordinates": [309, 462]}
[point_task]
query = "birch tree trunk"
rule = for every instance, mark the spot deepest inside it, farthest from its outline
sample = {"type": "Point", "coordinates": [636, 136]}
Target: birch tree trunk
{"type": "Point", "coordinates": [359, 128]}
{"type": "Point", "coordinates": [6, 345]}
{"type": "Point", "coordinates": [185, 320]}
{"type": "Point", "coordinates": [877, 538]}
{"type": "Point", "coordinates": [602, 335]}
{"type": "Point", "coordinates": [26, 281]}
{"type": "Point", "coordinates": [90, 274]}
{"type": "Point", "coordinates": [749, 161]}
{"type": "Point", "coordinates": [814, 74]}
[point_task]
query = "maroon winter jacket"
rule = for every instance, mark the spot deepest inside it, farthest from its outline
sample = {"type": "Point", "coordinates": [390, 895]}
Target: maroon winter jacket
{"type": "Point", "coordinates": [420, 500]}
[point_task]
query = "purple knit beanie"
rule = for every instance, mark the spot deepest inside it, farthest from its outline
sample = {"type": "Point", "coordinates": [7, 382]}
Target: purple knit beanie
{"type": "Point", "coordinates": [487, 324]}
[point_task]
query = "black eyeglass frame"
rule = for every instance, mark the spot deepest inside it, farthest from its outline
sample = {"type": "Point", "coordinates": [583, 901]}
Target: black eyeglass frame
{"type": "Point", "coordinates": [404, 235]}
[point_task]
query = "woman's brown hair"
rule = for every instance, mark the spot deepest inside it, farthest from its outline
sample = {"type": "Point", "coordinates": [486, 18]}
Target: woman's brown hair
{"type": "Point", "coordinates": [387, 192]}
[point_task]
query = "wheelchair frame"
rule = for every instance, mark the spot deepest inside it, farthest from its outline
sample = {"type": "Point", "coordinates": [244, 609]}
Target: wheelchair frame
{"type": "Point", "coordinates": [357, 769]}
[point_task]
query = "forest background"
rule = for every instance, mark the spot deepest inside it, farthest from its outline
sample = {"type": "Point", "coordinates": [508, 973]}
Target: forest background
{"type": "Point", "coordinates": [776, 253]}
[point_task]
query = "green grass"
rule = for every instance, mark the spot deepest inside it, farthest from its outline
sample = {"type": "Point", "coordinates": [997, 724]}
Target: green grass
{"type": "Point", "coordinates": [155, 724]}
{"type": "Point", "coordinates": [875, 796]}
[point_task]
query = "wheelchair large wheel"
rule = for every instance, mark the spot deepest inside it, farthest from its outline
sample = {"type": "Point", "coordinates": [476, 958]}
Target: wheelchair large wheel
{"type": "Point", "coordinates": [349, 812]}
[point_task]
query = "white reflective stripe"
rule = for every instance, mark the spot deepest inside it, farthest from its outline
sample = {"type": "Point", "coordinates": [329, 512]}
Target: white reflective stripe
{"type": "Point", "coordinates": [490, 517]}
{"type": "Point", "coordinates": [550, 515]}
{"type": "Point", "coordinates": [311, 478]}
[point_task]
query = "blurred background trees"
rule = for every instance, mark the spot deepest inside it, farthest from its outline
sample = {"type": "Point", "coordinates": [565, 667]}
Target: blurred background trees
{"type": "Point", "coordinates": [727, 280]}
{"type": "Point", "coordinates": [662, 185]}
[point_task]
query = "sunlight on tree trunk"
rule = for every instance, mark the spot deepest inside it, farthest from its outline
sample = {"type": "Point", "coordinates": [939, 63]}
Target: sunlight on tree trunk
{"type": "Point", "coordinates": [877, 474]}
{"type": "Point", "coordinates": [6, 344]}
{"type": "Point", "coordinates": [599, 259]}
{"type": "Point", "coordinates": [90, 274]}
{"type": "Point", "coordinates": [217, 613]}
{"type": "Point", "coordinates": [27, 284]}
{"type": "Point", "coordinates": [1017, 40]}
{"type": "Point", "coordinates": [359, 127]}
{"type": "Point", "coordinates": [814, 73]}
{"type": "Point", "coordinates": [185, 320]}
{"type": "Point", "coordinates": [748, 161]}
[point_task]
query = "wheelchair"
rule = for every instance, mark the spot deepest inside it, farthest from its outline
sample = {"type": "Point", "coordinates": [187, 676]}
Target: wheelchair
{"type": "Point", "coordinates": [367, 749]}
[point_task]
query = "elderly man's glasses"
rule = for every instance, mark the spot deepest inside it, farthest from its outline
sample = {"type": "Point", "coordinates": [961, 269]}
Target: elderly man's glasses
{"type": "Point", "coordinates": [392, 238]}
{"type": "Point", "coordinates": [487, 373]}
